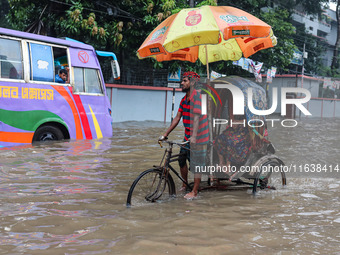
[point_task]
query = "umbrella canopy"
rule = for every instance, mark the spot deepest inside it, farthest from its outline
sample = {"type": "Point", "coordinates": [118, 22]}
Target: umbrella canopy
{"type": "Point", "coordinates": [226, 33]}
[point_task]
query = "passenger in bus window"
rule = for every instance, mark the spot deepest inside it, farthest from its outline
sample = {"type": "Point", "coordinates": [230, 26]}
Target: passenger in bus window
{"type": "Point", "coordinates": [62, 76]}
{"type": "Point", "coordinates": [13, 73]}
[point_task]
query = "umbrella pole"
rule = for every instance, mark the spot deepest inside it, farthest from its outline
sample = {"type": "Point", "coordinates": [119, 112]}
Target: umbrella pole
{"type": "Point", "coordinates": [209, 112]}
{"type": "Point", "coordinates": [206, 58]}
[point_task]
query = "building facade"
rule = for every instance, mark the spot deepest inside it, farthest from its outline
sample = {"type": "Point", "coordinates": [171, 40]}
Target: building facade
{"type": "Point", "coordinates": [323, 27]}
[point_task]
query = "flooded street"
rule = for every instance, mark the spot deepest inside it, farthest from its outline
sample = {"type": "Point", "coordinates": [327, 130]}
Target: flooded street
{"type": "Point", "coordinates": [69, 198]}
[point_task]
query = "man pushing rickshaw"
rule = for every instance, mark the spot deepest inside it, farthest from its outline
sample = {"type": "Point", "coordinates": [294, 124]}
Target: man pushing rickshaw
{"type": "Point", "coordinates": [239, 143]}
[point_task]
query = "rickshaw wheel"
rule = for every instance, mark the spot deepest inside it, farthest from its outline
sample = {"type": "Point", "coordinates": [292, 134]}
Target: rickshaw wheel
{"type": "Point", "coordinates": [271, 174]}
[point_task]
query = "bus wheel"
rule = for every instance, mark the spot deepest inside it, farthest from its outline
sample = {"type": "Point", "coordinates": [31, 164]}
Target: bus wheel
{"type": "Point", "coordinates": [47, 133]}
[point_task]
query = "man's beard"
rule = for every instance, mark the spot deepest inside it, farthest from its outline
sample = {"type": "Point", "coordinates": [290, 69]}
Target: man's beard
{"type": "Point", "coordinates": [185, 89]}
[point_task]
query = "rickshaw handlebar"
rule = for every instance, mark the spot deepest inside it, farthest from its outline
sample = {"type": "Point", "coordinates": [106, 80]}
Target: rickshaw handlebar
{"type": "Point", "coordinates": [172, 142]}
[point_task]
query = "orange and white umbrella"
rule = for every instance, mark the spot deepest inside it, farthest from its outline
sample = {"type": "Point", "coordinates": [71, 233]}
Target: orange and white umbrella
{"type": "Point", "coordinates": [213, 32]}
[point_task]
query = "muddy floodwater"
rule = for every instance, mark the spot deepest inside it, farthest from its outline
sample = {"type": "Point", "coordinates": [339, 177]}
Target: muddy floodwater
{"type": "Point", "coordinates": [69, 198]}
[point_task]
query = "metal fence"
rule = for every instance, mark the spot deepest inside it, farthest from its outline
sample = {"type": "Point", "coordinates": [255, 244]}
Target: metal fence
{"type": "Point", "coordinates": [329, 88]}
{"type": "Point", "coordinates": [136, 73]}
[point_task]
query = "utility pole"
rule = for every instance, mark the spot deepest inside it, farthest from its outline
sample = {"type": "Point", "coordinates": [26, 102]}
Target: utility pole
{"type": "Point", "coordinates": [303, 63]}
{"type": "Point", "coordinates": [303, 69]}
{"type": "Point", "coordinates": [192, 3]}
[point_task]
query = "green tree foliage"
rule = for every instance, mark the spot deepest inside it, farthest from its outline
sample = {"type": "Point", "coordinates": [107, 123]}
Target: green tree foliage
{"type": "Point", "coordinates": [312, 6]}
{"type": "Point", "coordinates": [4, 8]}
{"type": "Point", "coordinates": [282, 53]}
{"type": "Point", "coordinates": [82, 20]}
{"type": "Point", "coordinates": [252, 6]}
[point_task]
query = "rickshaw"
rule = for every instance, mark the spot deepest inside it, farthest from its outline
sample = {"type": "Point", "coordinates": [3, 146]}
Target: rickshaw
{"type": "Point", "coordinates": [261, 170]}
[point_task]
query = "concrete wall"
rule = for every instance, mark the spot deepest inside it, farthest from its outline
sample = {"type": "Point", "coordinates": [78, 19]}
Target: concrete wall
{"type": "Point", "coordinates": [140, 103]}
{"type": "Point", "coordinates": [280, 81]}
{"type": "Point", "coordinates": [318, 107]}
{"type": "Point", "coordinates": [322, 108]}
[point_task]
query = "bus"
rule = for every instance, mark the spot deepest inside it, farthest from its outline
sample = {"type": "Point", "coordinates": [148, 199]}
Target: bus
{"type": "Point", "coordinates": [35, 105]}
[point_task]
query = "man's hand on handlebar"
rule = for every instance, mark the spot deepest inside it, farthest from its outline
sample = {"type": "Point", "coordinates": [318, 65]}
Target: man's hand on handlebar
{"type": "Point", "coordinates": [192, 140]}
{"type": "Point", "coordinates": [162, 138]}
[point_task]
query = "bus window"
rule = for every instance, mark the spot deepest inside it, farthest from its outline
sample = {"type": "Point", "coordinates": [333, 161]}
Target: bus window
{"type": "Point", "coordinates": [11, 64]}
{"type": "Point", "coordinates": [78, 80]}
{"type": "Point", "coordinates": [60, 59]}
{"type": "Point", "coordinates": [41, 62]}
{"type": "Point", "coordinates": [92, 82]}
{"type": "Point", "coordinates": [87, 80]}
{"type": "Point", "coordinates": [46, 61]}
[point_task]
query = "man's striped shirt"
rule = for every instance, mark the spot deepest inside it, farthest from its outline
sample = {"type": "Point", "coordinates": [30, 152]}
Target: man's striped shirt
{"type": "Point", "coordinates": [188, 107]}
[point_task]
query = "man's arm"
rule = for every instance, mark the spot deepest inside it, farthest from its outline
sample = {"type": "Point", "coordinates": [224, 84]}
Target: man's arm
{"type": "Point", "coordinates": [174, 124]}
{"type": "Point", "coordinates": [68, 74]}
{"type": "Point", "coordinates": [196, 117]}
{"type": "Point", "coordinates": [195, 128]}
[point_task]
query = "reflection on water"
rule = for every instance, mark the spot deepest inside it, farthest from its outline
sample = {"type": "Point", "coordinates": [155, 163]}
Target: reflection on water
{"type": "Point", "coordinates": [69, 198]}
